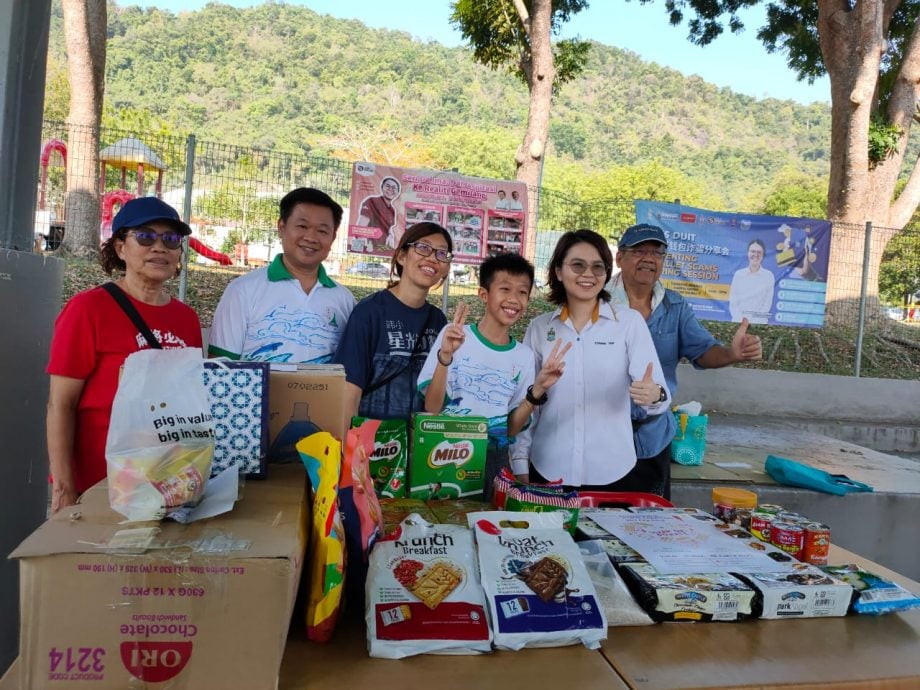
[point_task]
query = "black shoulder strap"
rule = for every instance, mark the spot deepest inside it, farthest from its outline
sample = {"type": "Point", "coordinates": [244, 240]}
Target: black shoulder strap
{"type": "Point", "coordinates": [119, 296]}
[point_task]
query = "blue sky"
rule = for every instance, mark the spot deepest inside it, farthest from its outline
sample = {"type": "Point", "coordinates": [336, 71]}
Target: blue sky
{"type": "Point", "coordinates": [736, 61]}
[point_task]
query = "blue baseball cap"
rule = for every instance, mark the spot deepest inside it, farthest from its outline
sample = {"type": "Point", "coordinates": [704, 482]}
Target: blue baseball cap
{"type": "Point", "coordinates": [643, 232]}
{"type": "Point", "coordinates": [147, 209]}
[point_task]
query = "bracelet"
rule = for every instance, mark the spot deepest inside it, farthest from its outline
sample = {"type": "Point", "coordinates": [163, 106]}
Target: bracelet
{"type": "Point", "coordinates": [442, 362]}
{"type": "Point", "coordinates": [536, 402]}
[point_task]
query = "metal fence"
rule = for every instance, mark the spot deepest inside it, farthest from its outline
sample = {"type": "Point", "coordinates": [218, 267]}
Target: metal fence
{"type": "Point", "coordinates": [230, 195]}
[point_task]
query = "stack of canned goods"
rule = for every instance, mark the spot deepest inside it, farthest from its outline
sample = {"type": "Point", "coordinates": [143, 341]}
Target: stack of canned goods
{"type": "Point", "coordinates": [795, 534]}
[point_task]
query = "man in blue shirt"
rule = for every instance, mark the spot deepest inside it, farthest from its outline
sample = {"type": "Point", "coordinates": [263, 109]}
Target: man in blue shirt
{"type": "Point", "coordinates": [676, 332]}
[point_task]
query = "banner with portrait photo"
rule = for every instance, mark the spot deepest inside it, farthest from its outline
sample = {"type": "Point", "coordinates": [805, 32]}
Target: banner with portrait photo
{"type": "Point", "coordinates": [483, 216]}
{"type": "Point", "coordinates": [770, 269]}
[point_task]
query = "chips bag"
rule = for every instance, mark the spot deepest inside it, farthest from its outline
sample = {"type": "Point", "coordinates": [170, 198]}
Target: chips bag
{"type": "Point", "coordinates": [321, 454]}
{"type": "Point", "coordinates": [161, 438]}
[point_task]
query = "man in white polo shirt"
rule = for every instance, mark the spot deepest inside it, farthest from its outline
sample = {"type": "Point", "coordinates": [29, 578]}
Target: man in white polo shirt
{"type": "Point", "coordinates": [290, 310]}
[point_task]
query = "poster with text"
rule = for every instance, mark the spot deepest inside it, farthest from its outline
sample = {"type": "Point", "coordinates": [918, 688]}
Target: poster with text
{"type": "Point", "coordinates": [770, 269]}
{"type": "Point", "coordinates": [483, 216]}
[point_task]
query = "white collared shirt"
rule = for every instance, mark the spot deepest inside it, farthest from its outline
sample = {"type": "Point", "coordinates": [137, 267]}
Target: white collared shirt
{"type": "Point", "coordinates": [583, 434]}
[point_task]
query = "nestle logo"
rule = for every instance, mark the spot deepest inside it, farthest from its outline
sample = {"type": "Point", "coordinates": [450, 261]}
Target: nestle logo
{"type": "Point", "coordinates": [155, 662]}
{"type": "Point", "coordinates": [687, 217]}
{"type": "Point", "coordinates": [446, 453]}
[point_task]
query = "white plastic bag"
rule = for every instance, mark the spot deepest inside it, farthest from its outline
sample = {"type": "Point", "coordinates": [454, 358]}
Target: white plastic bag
{"type": "Point", "coordinates": [161, 440]}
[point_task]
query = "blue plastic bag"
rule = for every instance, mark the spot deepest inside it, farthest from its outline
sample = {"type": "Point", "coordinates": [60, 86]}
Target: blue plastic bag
{"type": "Point", "coordinates": [792, 473]}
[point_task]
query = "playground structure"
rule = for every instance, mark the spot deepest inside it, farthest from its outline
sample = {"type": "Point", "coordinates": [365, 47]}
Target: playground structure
{"type": "Point", "coordinates": [122, 154]}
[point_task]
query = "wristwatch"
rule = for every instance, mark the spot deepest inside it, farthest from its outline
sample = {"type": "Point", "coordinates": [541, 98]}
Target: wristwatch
{"type": "Point", "coordinates": [662, 395]}
{"type": "Point", "coordinates": [536, 402]}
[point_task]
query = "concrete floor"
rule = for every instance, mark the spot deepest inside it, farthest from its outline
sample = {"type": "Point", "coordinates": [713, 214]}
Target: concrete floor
{"type": "Point", "coordinates": [882, 525]}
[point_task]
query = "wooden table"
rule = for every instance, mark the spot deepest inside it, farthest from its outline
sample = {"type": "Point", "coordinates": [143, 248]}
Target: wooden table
{"type": "Point", "coordinates": [864, 652]}
{"type": "Point", "coordinates": [344, 664]}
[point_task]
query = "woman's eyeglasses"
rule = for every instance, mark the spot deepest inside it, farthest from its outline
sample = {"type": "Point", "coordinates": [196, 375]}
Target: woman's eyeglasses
{"type": "Point", "coordinates": [578, 267]}
{"type": "Point", "coordinates": [442, 255]}
{"type": "Point", "coordinates": [148, 238]}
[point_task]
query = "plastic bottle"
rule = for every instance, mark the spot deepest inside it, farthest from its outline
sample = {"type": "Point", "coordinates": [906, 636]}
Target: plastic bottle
{"type": "Point", "coordinates": [727, 502]}
{"type": "Point", "coordinates": [299, 426]}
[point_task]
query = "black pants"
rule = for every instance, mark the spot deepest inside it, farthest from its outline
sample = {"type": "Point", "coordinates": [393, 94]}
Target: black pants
{"type": "Point", "coordinates": [650, 475]}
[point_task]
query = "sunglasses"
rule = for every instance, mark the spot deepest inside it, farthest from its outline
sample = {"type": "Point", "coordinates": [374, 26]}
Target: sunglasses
{"type": "Point", "coordinates": [578, 267]}
{"type": "Point", "coordinates": [148, 238]}
{"type": "Point", "coordinates": [442, 255]}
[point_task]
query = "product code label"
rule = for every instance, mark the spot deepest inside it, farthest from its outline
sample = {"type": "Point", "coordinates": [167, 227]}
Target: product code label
{"type": "Point", "coordinates": [76, 663]}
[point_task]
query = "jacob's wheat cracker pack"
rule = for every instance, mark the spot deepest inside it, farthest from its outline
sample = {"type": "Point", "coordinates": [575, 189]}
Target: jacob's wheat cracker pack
{"type": "Point", "coordinates": [448, 456]}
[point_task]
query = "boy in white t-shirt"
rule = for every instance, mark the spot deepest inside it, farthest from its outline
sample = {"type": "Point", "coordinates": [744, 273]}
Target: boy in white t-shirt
{"type": "Point", "coordinates": [479, 369]}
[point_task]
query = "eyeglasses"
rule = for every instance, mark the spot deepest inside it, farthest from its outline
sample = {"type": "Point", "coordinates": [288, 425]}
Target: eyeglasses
{"type": "Point", "coordinates": [442, 255]}
{"type": "Point", "coordinates": [646, 253]}
{"type": "Point", "coordinates": [148, 238]}
{"type": "Point", "coordinates": [578, 267]}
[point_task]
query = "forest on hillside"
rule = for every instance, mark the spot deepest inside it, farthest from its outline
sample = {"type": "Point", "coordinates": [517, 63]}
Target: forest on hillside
{"type": "Point", "coordinates": [284, 78]}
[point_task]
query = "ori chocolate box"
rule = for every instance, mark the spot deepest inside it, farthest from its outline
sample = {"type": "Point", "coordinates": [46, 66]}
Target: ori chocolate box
{"type": "Point", "coordinates": [448, 457]}
{"type": "Point", "coordinates": [204, 605]}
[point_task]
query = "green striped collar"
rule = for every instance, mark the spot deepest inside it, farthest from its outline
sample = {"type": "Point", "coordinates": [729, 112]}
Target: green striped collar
{"type": "Point", "coordinates": [277, 271]}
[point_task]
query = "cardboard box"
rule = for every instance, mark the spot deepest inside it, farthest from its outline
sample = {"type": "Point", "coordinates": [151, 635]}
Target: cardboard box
{"type": "Point", "coordinates": [207, 605]}
{"type": "Point", "coordinates": [303, 399]}
{"type": "Point", "coordinates": [448, 457]}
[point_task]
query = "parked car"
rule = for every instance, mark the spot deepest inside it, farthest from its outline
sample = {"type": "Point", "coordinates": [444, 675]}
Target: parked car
{"type": "Point", "coordinates": [896, 313]}
{"type": "Point", "coordinates": [371, 269]}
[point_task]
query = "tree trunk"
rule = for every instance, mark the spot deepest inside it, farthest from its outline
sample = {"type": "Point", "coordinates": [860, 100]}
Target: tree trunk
{"type": "Point", "coordinates": [852, 45]}
{"type": "Point", "coordinates": [540, 71]}
{"type": "Point", "coordinates": [85, 33]}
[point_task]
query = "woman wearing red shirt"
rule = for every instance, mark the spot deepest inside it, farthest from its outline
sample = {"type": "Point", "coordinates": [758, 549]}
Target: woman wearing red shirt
{"type": "Point", "coordinates": [93, 336]}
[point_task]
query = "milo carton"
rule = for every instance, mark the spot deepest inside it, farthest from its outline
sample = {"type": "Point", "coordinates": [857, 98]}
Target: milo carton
{"type": "Point", "coordinates": [448, 457]}
{"type": "Point", "coordinates": [390, 458]}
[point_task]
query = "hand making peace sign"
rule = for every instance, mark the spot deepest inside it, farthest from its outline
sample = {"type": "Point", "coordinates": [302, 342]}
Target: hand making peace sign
{"type": "Point", "coordinates": [552, 370]}
{"type": "Point", "coordinates": [454, 334]}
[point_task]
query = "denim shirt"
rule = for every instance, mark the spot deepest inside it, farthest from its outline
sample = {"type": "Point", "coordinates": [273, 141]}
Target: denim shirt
{"type": "Point", "coordinates": [677, 333]}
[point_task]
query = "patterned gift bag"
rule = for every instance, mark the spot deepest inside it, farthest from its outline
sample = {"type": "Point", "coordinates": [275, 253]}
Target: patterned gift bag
{"type": "Point", "coordinates": [238, 393]}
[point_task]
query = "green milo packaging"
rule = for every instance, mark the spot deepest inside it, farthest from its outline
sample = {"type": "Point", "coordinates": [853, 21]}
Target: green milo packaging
{"type": "Point", "coordinates": [448, 458]}
{"type": "Point", "coordinates": [390, 458]}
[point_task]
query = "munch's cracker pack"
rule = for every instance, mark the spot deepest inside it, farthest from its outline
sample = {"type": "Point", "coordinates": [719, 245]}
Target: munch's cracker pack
{"type": "Point", "coordinates": [390, 458]}
{"type": "Point", "coordinates": [448, 456]}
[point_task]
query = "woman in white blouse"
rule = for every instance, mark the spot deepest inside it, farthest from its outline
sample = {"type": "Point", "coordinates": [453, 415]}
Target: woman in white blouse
{"type": "Point", "coordinates": [582, 431]}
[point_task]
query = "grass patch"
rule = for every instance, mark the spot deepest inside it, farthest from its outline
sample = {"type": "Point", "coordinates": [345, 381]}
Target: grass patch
{"type": "Point", "coordinates": [890, 349]}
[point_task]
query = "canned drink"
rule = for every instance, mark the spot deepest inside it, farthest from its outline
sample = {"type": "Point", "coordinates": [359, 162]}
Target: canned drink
{"type": "Point", "coordinates": [760, 525]}
{"type": "Point", "coordinates": [788, 537]}
{"type": "Point", "coordinates": [817, 543]}
{"type": "Point", "coordinates": [770, 508]}
{"type": "Point", "coordinates": [794, 518]}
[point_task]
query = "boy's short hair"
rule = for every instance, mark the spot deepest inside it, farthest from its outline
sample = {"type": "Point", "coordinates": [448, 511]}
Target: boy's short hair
{"type": "Point", "coordinates": [308, 195]}
{"type": "Point", "coordinates": [509, 262]}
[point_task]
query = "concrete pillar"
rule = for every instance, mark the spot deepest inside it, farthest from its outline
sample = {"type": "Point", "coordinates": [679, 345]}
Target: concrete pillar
{"type": "Point", "coordinates": [29, 296]}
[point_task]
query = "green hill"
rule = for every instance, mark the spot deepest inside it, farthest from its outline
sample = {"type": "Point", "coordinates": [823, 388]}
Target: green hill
{"type": "Point", "coordinates": [285, 78]}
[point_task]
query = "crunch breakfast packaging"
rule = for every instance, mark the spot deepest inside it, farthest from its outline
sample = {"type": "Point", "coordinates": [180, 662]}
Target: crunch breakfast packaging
{"type": "Point", "coordinates": [423, 593]}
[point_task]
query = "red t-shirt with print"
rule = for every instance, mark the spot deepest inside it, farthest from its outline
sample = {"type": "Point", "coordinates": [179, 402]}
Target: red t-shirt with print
{"type": "Point", "coordinates": [92, 338]}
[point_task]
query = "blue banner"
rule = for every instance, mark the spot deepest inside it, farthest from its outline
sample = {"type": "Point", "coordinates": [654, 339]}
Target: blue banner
{"type": "Point", "coordinates": [770, 269]}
